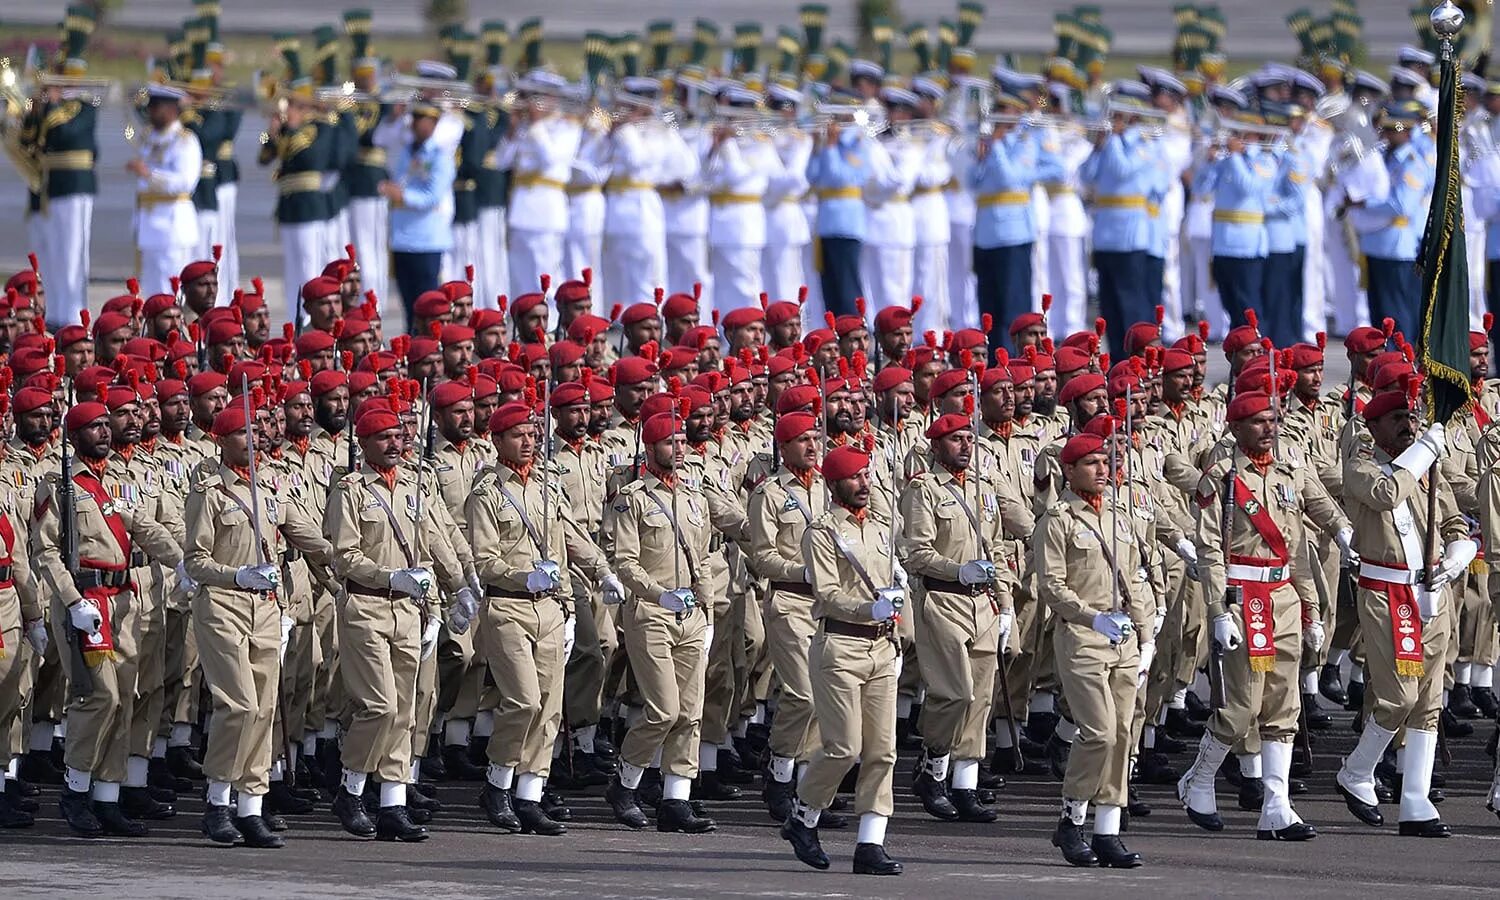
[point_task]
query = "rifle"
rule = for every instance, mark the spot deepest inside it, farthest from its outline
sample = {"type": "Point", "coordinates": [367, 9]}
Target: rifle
{"type": "Point", "coordinates": [546, 446]}
{"type": "Point", "coordinates": [1218, 697]}
{"type": "Point", "coordinates": [81, 684]}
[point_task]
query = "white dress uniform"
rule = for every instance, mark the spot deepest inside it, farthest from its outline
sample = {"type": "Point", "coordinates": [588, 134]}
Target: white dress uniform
{"type": "Point", "coordinates": [1176, 148]}
{"type": "Point", "coordinates": [166, 224]}
{"type": "Point", "coordinates": [1198, 226]}
{"type": "Point", "coordinates": [583, 245]}
{"type": "Point", "coordinates": [686, 207]}
{"type": "Point", "coordinates": [1041, 222]}
{"type": "Point", "coordinates": [1068, 231]}
{"type": "Point", "coordinates": [1313, 143]}
{"type": "Point", "coordinates": [963, 296]}
{"type": "Point", "coordinates": [788, 233]}
{"type": "Point", "coordinates": [1476, 140]}
{"type": "Point", "coordinates": [737, 175]}
{"type": "Point", "coordinates": [228, 196]}
{"type": "Point", "coordinates": [890, 229]}
{"type": "Point", "coordinates": [930, 263]}
{"type": "Point", "coordinates": [540, 156]}
{"type": "Point", "coordinates": [1365, 180]}
{"type": "Point", "coordinates": [635, 225]}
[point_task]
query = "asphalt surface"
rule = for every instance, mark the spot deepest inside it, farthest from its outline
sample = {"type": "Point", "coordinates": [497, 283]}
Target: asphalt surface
{"type": "Point", "coordinates": [747, 858]}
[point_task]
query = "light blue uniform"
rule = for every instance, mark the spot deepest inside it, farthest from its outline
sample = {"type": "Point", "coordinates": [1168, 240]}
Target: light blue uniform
{"type": "Point", "coordinates": [835, 169]}
{"type": "Point", "coordinates": [1002, 189]}
{"type": "Point", "coordinates": [423, 222]}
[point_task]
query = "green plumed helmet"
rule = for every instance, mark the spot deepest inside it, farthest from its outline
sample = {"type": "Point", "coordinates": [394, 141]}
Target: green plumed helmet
{"type": "Point", "coordinates": [530, 35]}
{"type": "Point", "coordinates": [705, 41]}
{"type": "Point", "coordinates": [789, 48]}
{"type": "Point", "coordinates": [627, 54]}
{"type": "Point", "coordinates": [495, 37]}
{"type": "Point", "coordinates": [748, 37]}
{"type": "Point", "coordinates": [660, 37]}
{"type": "Point", "coordinates": [970, 15]}
{"type": "Point", "coordinates": [919, 42]}
{"type": "Point", "coordinates": [814, 18]}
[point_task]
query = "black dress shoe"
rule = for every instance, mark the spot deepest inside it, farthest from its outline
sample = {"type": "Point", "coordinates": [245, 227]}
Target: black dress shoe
{"type": "Point", "coordinates": [804, 842]}
{"type": "Point", "coordinates": [1153, 768]}
{"type": "Point", "coordinates": [351, 814]}
{"type": "Point", "coordinates": [1355, 697]}
{"type": "Point", "coordinates": [1317, 719]}
{"type": "Point", "coordinates": [1370, 815]}
{"type": "Point", "coordinates": [257, 833]}
{"type": "Point", "coordinates": [1057, 751]}
{"type": "Point", "coordinates": [37, 767]}
{"type": "Point", "coordinates": [712, 787]}
{"type": "Point", "coordinates": [534, 821]}
{"type": "Point", "coordinates": [78, 811]}
{"type": "Point", "coordinates": [555, 808]}
{"type": "Point", "coordinates": [623, 803]}
{"type": "Point", "coordinates": [1207, 821]}
{"type": "Point", "coordinates": [1461, 704]}
{"type": "Point", "coordinates": [458, 766]}
{"type": "Point", "coordinates": [1455, 727]}
{"type": "Point", "coordinates": [1041, 725]}
{"type": "Point", "coordinates": [732, 770]}
{"type": "Point", "coordinates": [1438, 780]}
{"type": "Point", "coordinates": [1198, 709]}
{"type": "Point", "coordinates": [394, 824]}
{"type": "Point", "coordinates": [650, 789]}
{"type": "Point", "coordinates": [1009, 762]}
{"type": "Point", "coordinates": [831, 819]}
{"type": "Point", "coordinates": [585, 771]}
{"type": "Point", "coordinates": [182, 764]}
{"type": "Point", "coordinates": [275, 822]}
{"type": "Point", "coordinates": [1069, 839]}
{"type": "Point", "coordinates": [934, 797]}
{"type": "Point", "coordinates": [425, 788]}
{"type": "Point", "coordinates": [137, 803]}
{"type": "Point", "coordinates": [677, 815]}
{"type": "Point", "coordinates": [21, 786]}
{"type": "Point", "coordinates": [1167, 744]}
{"type": "Point", "coordinates": [1484, 698]}
{"type": "Point", "coordinates": [1112, 854]}
{"type": "Point", "coordinates": [1252, 794]}
{"type": "Point", "coordinates": [19, 798]}
{"type": "Point", "coordinates": [1331, 684]}
{"type": "Point", "coordinates": [417, 816]}
{"type": "Point", "coordinates": [871, 859]}
{"type": "Point", "coordinates": [1134, 806]}
{"type": "Point", "coordinates": [1432, 828]}
{"type": "Point", "coordinates": [989, 783]}
{"type": "Point", "coordinates": [969, 808]}
{"type": "Point", "coordinates": [218, 825]}
{"type": "Point", "coordinates": [778, 797]}
{"type": "Point", "coordinates": [1297, 831]}
{"type": "Point", "coordinates": [604, 744]}
{"type": "Point", "coordinates": [159, 776]}
{"type": "Point", "coordinates": [280, 799]}
{"type": "Point", "coordinates": [1181, 725]}
{"type": "Point", "coordinates": [416, 800]}
{"type": "Point", "coordinates": [12, 816]}
{"type": "Point", "coordinates": [115, 823]}
{"type": "Point", "coordinates": [496, 806]}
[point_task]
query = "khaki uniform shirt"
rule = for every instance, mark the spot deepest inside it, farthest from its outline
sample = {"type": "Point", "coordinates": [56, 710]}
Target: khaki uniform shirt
{"type": "Point", "coordinates": [648, 557]}
{"type": "Point", "coordinates": [839, 591]}
{"type": "Point", "coordinates": [368, 540]}
{"type": "Point", "coordinates": [1074, 576]}
{"type": "Point", "coordinates": [508, 522]}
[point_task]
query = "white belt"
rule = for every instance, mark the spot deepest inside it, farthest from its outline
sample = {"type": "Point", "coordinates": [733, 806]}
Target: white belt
{"type": "Point", "coordinates": [1264, 574]}
{"type": "Point", "coordinates": [1390, 576]}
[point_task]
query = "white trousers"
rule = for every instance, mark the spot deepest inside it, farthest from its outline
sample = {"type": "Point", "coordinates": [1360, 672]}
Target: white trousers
{"type": "Point", "coordinates": [229, 264]}
{"type": "Point", "coordinates": [687, 265]}
{"type": "Point", "coordinates": [963, 296]}
{"type": "Point", "coordinates": [63, 256]}
{"type": "Point", "coordinates": [736, 275]}
{"type": "Point", "coordinates": [887, 273]}
{"type": "Point", "coordinates": [781, 270]}
{"type": "Point", "coordinates": [492, 278]}
{"type": "Point", "coordinates": [533, 253]}
{"type": "Point", "coordinates": [930, 278]}
{"type": "Point", "coordinates": [1171, 293]}
{"type": "Point", "coordinates": [633, 268]}
{"type": "Point", "coordinates": [812, 310]}
{"type": "Point", "coordinates": [1314, 274]}
{"type": "Point", "coordinates": [1041, 253]}
{"type": "Point", "coordinates": [1068, 278]}
{"type": "Point", "coordinates": [466, 252]}
{"type": "Point", "coordinates": [1205, 294]}
{"type": "Point", "coordinates": [369, 229]}
{"type": "Point", "coordinates": [1350, 305]}
{"type": "Point", "coordinates": [336, 236]}
{"type": "Point", "coordinates": [208, 236]}
{"type": "Point", "coordinates": [158, 268]}
{"type": "Point", "coordinates": [302, 260]}
{"type": "Point", "coordinates": [1478, 303]}
{"type": "Point", "coordinates": [580, 251]}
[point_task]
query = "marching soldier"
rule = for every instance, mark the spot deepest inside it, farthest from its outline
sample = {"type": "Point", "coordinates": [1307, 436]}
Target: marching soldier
{"type": "Point", "coordinates": [21, 617]}
{"type": "Point", "coordinates": [167, 171]}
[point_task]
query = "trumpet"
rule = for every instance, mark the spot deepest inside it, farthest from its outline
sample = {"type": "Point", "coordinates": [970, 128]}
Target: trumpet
{"type": "Point", "coordinates": [924, 129]}
{"type": "Point", "coordinates": [872, 120]}
{"type": "Point", "coordinates": [446, 92]}
{"type": "Point", "coordinates": [1270, 138]}
{"type": "Point", "coordinates": [78, 87]}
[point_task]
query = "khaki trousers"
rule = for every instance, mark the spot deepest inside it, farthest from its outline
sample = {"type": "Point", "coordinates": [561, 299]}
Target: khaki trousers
{"type": "Point", "coordinates": [854, 695]}
{"type": "Point", "coordinates": [150, 678]}
{"type": "Point", "coordinates": [1263, 706]}
{"type": "Point", "coordinates": [1099, 685]}
{"type": "Point", "coordinates": [15, 659]}
{"type": "Point", "coordinates": [181, 675]}
{"type": "Point", "coordinates": [455, 657]}
{"type": "Point", "coordinates": [379, 641]}
{"type": "Point", "coordinates": [758, 668]}
{"type": "Point", "coordinates": [239, 639]}
{"type": "Point", "coordinates": [522, 641]}
{"type": "Point", "coordinates": [719, 679]}
{"type": "Point", "coordinates": [789, 634]}
{"type": "Point", "coordinates": [667, 659]}
{"type": "Point", "coordinates": [1397, 701]}
{"type": "Point", "coordinates": [1161, 682]}
{"type": "Point", "coordinates": [1478, 640]}
{"type": "Point", "coordinates": [99, 724]}
{"type": "Point", "coordinates": [595, 640]}
{"type": "Point", "coordinates": [1029, 632]}
{"type": "Point", "coordinates": [326, 701]}
{"type": "Point", "coordinates": [958, 638]}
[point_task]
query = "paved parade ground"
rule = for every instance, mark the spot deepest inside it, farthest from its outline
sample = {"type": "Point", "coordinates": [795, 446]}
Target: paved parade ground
{"type": "Point", "coordinates": [746, 857]}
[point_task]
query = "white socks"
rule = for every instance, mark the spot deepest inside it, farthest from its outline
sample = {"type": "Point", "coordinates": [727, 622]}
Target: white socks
{"type": "Point", "coordinates": [1075, 810]}
{"type": "Point", "coordinates": [41, 738]}
{"type": "Point", "coordinates": [1043, 702]}
{"type": "Point", "coordinates": [354, 782]}
{"type": "Point", "coordinates": [135, 771]}
{"type": "Point", "coordinates": [1462, 672]}
{"type": "Point", "coordinates": [965, 774]}
{"type": "Point", "coordinates": [708, 757]}
{"type": "Point", "coordinates": [782, 768]}
{"type": "Point", "coordinates": [872, 828]}
{"type": "Point", "coordinates": [630, 775]}
{"type": "Point", "coordinates": [456, 733]}
{"type": "Point", "coordinates": [675, 787]}
{"type": "Point", "coordinates": [1066, 731]}
{"type": "Point", "coordinates": [78, 782]}
{"type": "Point", "coordinates": [937, 767]}
{"type": "Point", "coordinates": [106, 791]}
{"type": "Point", "coordinates": [1484, 676]}
{"type": "Point", "coordinates": [182, 735]}
{"type": "Point", "coordinates": [584, 738]}
{"type": "Point", "coordinates": [1310, 682]}
{"type": "Point", "coordinates": [529, 787]}
{"type": "Point", "coordinates": [247, 805]}
{"type": "Point", "coordinates": [392, 794]}
{"type": "Point", "coordinates": [1250, 765]}
{"type": "Point", "coordinates": [500, 777]}
{"type": "Point", "coordinates": [218, 793]}
{"type": "Point", "coordinates": [159, 748]}
{"type": "Point", "coordinates": [1106, 820]}
{"type": "Point", "coordinates": [484, 723]}
{"type": "Point", "coordinates": [1002, 734]}
{"type": "Point", "coordinates": [806, 814]}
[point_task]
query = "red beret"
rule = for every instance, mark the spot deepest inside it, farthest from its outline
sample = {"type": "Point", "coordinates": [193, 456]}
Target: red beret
{"type": "Point", "coordinates": [1239, 338]}
{"type": "Point", "coordinates": [146, 348]}
{"type": "Point", "coordinates": [891, 376]}
{"type": "Point", "coordinates": [289, 390]}
{"type": "Point", "coordinates": [565, 353]}
{"type": "Point", "coordinates": [601, 391]}
{"type": "Point", "coordinates": [526, 303]}
{"type": "Point", "coordinates": [783, 311]}
{"type": "Point", "coordinates": [660, 427]}
{"type": "Point", "coordinates": [89, 380]}
{"type": "Point", "coordinates": [1175, 360]}
{"type": "Point", "coordinates": [509, 415]}
{"type": "Point", "coordinates": [795, 398]}
{"type": "Point", "coordinates": [1140, 335]}
{"type": "Point", "coordinates": [572, 291]}
{"type": "Point", "coordinates": [68, 335]}
{"type": "Point", "coordinates": [170, 387]}
{"type": "Point", "coordinates": [677, 305]}
{"type": "Point", "coordinates": [571, 393]}
{"type": "Point", "coordinates": [1364, 339]}
{"type": "Point", "coordinates": [892, 318]}
{"type": "Point", "coordinates": [1025, 321]}
{"type": "Point", "coordinates": [1102, 426]}
{"type": "Point", "coordinates": [1083, 340]}
{"type": "Point", "coordinates": [327, 381]}
{"type": "Point", "coordinates": [241, 373]}
{"type": "Point", "coordinates": [637, 312]}
{"type": "Point", "coordinates": [1072, 359]}
{"type": "Point", "coordinates": [313, 342]}
{"type": "Point", "coordinates": [1477, 339]}
{"type": "Point", "coordinates": [110, 321]}
{"type": "Point", "coordinates": [1081, 386]}
{"type": "Point", "coordinates": [385, 361]}
{"type": "Point", "coordinates": [845, 462]}
{"type": "Point", "coordinates": [321, 287]}
{"type": "Point", "coordinates": [359, 382]}
{"type": "Point", "coordinates": [1392, 373]}
{"type": "Point", "coordinates": [47, 381]}
{"type": "Point", "coordinates": [455, 290]}
{"type": "Point", "coordinates": [418, 349]}
{"type": "Point", "coordinates": [338, 269]}
{"type": "Point", "coordinates": [1304, 355]}
{"type": "Point", "coordinates": [229, 420]}
{"type": "Point", "coordinates": [374, 422]}
{"type": "Point", "coordinates": [1386, 403]}
{"type": "Point", "coordinates": [816, 338]}
{"type": "Point", "coordinates": [1043, 362]}
{"type": "Point", "coordinates": [30, 360]}
{"type": "Point", "coordinates": [24, 281]}
{"type": "Point", "coordinates": [943, 426]}
{"type": "Point", "coordinates": [966, 339]}
{"type": "Point", "coordinates": [450, 392]}
{"type": "Point", "coordinates": [206, 382]}
{"type": "Point", "coordinates": [84, 414]}
{"type": "Point", "coordinates": [633, 370]}
{"type": "Point", "coordinates": [1081, 445]}
{"type": "Point", "coordinates": [996, 374]}
{"type": "Point", "coordinates": [658, 404]}
{"type": "Point", "coordinates": [847, 325]}
{"type": "Point", "coordinates": [31, 398]}
{"type": "Point", "coordinates": [454, 334]}
{"type": "Point", "coordinates": [1020, 371]}
{"type": "Point", "coordinates": [1245, 405]}
{"type": "Point", "coordinates": [586, 327]}
{"type": "Point", "coordinates": [432, 305]}
{"type": "Point", "coordinates": [195, 270]}
{"type": "Point", "coordinates": [697, 395]}
{"type": "Point", "coordinates": [222, 331]}
{"type": "Point", "coordinates": [948, 381]}
{"type": "Point", "coordinates": [483, 319]}
{"type": "Point", "coordinates": [745, 315]}
{"type": "Point", "coordinates": [780, 364]}
{"type": "Point", "coordinates": [790, 427]}
{"type": "Point", "coordinates": [125, 303]}
{"type": "Point", "coordinates": [249, 303]}
{"type": "Point", "coordinates": [1191, 343]}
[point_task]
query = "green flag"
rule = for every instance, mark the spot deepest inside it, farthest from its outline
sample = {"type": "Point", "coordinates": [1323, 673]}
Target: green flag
{"type": "Point", "coordinates": [1443, 344]}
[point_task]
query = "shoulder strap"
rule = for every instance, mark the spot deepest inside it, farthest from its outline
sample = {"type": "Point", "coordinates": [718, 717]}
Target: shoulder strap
{"type": "Point", "coordinates": [536, 538]}
{"type": "Point", "coordinates": [677, 533]}
{"type": "Point", "coordinates": [264, 549]}
{"type": "Point", "coordinates": [1260, 517]}
{"type": "Point", "coordinates": [406, 551]}
{"type": "Point", "coordinates": [984, 546]}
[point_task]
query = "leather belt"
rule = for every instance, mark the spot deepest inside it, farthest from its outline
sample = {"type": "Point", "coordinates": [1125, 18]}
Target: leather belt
{"type": "Point", "coordinates": [118, 579]}
{"type": "Point", "coordinates": [363, 591]}
{"type": "Point", "coordinates": [873, 631]}
{"type": "Point", "coordinates": [1261, 574]}
{"type": "Point", "coordinates": [500, 593]}
{"type": "Point", "coordinates": [7, 576]}
{"type": "Point", "coordinates": [793, 587]}
{"type": "Point", "coordinates": [1004, 198]}
{"type": "Point", "coordinates": [1377, 572]}
{"type": "Point", "coordinates": [292, 555]}
{"type": "Point", "coordinates": [138, 559]}
{"type": "Point", "coordinates": [953, 587]}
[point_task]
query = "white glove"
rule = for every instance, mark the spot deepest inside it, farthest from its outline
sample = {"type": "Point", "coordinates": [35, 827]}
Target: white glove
{"type": "Point", "coordinates": [1158, 621]}
{"type": "Point", "coordinates": [85, 616]}
{"type": "Point", "coordinates": [1420, 456]}
{"type": "Point", "coordinates": [37, 637]}
{"type": "Point", "coordinates": [414, 583]}
{"type": "Point", "coordinates": [888, 602]}
{"type": "Point", "coordinates": [544, 577]}
{"type": "Point", "coordinates": [807, 574]}
{"type": "Point", "coordinates": [899, 578]}
{"type": "Point", "coordinates": [257, 578]}
{"type": "Point", "coordinates": [1143, 669]}
{"type": "Point", "coordinates": [286, 635]}
{"type": "Point", "coordinates": [980, 571]}
{"type": "Point", "coordinates": [1109, 625]}
{"type": "Point", "coordinates": [1227, 631]}
{"type": "Point", "coordinates": [475, 586]}
{"type": "Point", "coordinates": [1312, 636]}
{"type": "Point", "coordinates": [1429, 602]}
{"type": "Point", "coordinates": [1007, 622]}
{"type": "Point", "coordinates": [430, 636]}
{"type": "Point", "coordinates": [1456, 558]}
{"type": "Point", "coordinates": [189, 586]}
{"type": "Point", "coordinates": [1348, 558]}
{"type": "Point", "coordinates": [614, 589]}
{"type": "Point", "coordinates": [708, 636]}
{"type": "Point", "coordinates": [570, 628]}
{"type": "Point", "coordinates": [1189, 553]}
{"type": "Point", "coordinates": [676, 601]}
{"type": "Point", "coordinates": [465, 608]}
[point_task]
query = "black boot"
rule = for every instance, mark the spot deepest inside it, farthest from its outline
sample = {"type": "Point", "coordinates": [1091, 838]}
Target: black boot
{"type": "Point", "coordinates": [804, 842]}
{"type": "Point", "coordinates": [1198, 710]}
{"type": "Point", "coordinates": [12, 816]}
{"type": "Point", "coordinates": [1057, 755]}
{"type": "Point", "coordinates": [434, 766]}
{"type": "Point", "coordinates": [1134, 806]}
{"type": "Point", "coordinates": [1040, 726]}
{"type": "Point", "coordinates": [257, 833]}
{"type": "Point", "coordinates": [966, 802]}
{"type": "Point", "coordinates": [1484, 699]}
{"type": "Point", "coordinates": [1069, 839]}
{"type": "Point", "coordinates": [418, 801]}
{"type": "Point", "coordinates": [115, 823]}
{"type": "Point", "coordinates": [394, 824]}
{"type": "Point", "coordinates": [934, 796]}
{"type": "Point", "coordinates": [1112, 854]}
{"type": "Point", "coordinates": [1460, 703]}
{"type": "Point", "coordinates": [1455, 727]}
{"type": "Point", "coordinates": [650, 791]}
{"type": "Point", "coordinates": [871, 859]}
{"type": "Point", "coordinates": [78, 811]}
{"type": "Point", "coordinates": [778, 797]}
{"type": "Point", "coordinates": [1317, 719]}
{"type": "Point", "coordinates": [555, 808]}
{"type": "Point", "coordinates": [457, 765]}
{"type": "Point", "coordinates": [426, 789]}
{"type": "Point", "coordinates": [218, 825]}
{"type": "Point", "coordinates": [350, 810]}
{"type": "Point", "coordinates": [585, 770]}
{"type": "Point", "coordinates": [1180, 725]}
{"type": "Point", "coordinates": [1008, 762]}
{"type": "Point", "coordinates": [677, 815]}
{"type": "Point", "coordinates": [280, 799]}
{"type": "Point", "coordinates": [1355, 696]}
{"type": "Point", "coordinates": [18, 797]}
{"type": "Point", "coordinates": [1297, 831]}
{"type": "Point", "coordinates": [37, 767]}
{"type": "Point", "coordinates": [1252, 794]}
{"type": "Point", "coordinates": [1168, 745]}
{"type": "Point", "coordinates": [712, 787]}
{"type": "Point", "coordinates": [137, 803]}
{"type": "Point", "coordinates": [1153, 768]}
{"type": "Point", "coordinates": [622, 801]}
{"type": "Point", "coordinates": [1331, 684]}
{"type": "Point", "coordinates": [497, 808]}
{"type": "Point", "coordinates": [604, 744]}
{"type": "Point", "coordinates": [1370, 815]}
{"type": "Point", "coordinates": [160, 777]}
{"type": "Point", "coordinates": [181, 764]}
{"type": "Point", "coordinates": [331, 761]}
{"type": "Point", "coordinates": [479, 750]}
{"type": "Point", "coordinates": [1431, 828]}
{"type": "Point", "coordinates": [534, 821]}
